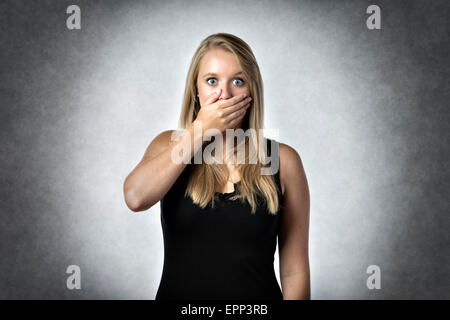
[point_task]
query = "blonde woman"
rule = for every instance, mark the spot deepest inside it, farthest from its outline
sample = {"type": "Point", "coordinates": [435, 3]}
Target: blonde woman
{"type": "Point", "coordinates": [221, 219]}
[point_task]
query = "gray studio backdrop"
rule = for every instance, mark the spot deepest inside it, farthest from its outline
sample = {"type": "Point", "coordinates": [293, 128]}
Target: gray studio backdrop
{"type": "Point", "coordinates": [367, 110]}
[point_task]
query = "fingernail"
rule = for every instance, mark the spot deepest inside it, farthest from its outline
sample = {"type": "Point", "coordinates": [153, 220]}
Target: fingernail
{"type": "Point", "coordinates": [244, 95]}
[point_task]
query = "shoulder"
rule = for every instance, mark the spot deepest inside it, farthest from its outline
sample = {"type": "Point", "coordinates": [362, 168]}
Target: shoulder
{"type": "Point", "coordinates": [159, 144]}
{"type": "Point", "coordinates": [292, 173]}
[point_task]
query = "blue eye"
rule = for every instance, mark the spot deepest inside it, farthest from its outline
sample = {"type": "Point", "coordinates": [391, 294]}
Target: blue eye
{"type": "Point", "coordinates": [238, 81]}
{"type": "Point", "coordinates": [207, 80]}
{"type": "Point", "coordinates": [242, 81]}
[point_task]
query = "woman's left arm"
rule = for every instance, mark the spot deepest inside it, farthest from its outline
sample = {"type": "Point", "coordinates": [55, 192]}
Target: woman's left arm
{"type": "Point", "coordinates": [294, 229]}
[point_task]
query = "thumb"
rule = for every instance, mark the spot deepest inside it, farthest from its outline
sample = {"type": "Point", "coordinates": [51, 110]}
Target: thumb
{"type": "Point", "coordinates": [213, 96]}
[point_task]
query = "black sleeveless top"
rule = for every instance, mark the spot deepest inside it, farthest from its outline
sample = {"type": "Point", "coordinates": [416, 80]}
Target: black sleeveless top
{"type": "Point", "coordinates": [225, 252]}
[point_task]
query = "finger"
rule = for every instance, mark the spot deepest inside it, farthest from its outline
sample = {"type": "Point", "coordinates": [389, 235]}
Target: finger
{"type": "Point", "coordinates": [238, 113]}
{"type": "Point", "coordinates": [234, 100]}
{"type": "Point", "coordinates": [235, 121]}
{"type": "Point", "coordinates": [237, 106]}
{"type": "Point", "coordinates": [213, 97]}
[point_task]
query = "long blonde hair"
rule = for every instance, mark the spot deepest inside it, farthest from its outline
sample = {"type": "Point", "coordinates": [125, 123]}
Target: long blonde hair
{"type": "Point", "coordinates": [204, 177]}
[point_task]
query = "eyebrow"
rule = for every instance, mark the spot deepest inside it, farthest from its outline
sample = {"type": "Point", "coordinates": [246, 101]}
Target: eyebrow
{"type": "Point", "coordinates": [215, 74]}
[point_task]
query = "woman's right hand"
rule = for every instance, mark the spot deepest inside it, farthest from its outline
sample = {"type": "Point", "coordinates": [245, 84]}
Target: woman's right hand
{"type": "Point", "coordinates": [222, 114]}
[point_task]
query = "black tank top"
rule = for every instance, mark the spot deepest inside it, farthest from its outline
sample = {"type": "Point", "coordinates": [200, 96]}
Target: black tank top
{"type": "Point", "coordinates": [219, 253]}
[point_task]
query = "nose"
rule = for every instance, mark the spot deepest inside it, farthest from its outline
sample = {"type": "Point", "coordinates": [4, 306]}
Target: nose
{"type": "Point", "coordinates": [226, 94]}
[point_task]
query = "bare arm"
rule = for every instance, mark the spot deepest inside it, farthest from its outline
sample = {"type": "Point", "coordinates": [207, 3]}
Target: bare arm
{"type": "Point", "coordinates": [294, 233]}
{"type": "Point", "coordinates": [157, 172]}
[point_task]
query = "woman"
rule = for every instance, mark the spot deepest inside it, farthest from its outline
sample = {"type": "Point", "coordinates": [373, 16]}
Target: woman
{"type": "Point", "coordinates": [221, 220]}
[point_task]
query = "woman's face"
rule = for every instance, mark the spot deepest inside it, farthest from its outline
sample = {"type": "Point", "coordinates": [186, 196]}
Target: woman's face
{"type": "Point", "coordinates": [220, 69]}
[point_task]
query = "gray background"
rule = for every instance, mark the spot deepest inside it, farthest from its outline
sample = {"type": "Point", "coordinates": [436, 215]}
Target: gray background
{"type": "Point", "coordinates": [367, 110]}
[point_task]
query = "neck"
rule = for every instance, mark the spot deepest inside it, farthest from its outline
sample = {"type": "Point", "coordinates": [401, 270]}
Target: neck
{"type": "Point", "coordinates": [225, 142]}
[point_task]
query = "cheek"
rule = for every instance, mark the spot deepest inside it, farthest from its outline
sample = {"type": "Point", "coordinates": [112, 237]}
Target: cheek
{"type": "Point", "coordinates": [204, 93]}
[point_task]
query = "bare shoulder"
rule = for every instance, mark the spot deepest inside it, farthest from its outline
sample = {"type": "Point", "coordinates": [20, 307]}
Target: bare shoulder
{"type": "Point", "coordinates": [292, 173]}
{"type": "Point", "coordinates": [158, 144]}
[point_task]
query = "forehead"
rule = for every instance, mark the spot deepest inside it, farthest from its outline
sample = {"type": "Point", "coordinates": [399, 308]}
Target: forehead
{"type": "Point", "coordinates": [219, 61]}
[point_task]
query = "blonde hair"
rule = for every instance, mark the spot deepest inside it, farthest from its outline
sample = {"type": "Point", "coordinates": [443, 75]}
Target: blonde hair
{"type": "Point", "coordinates": [204, 177]}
